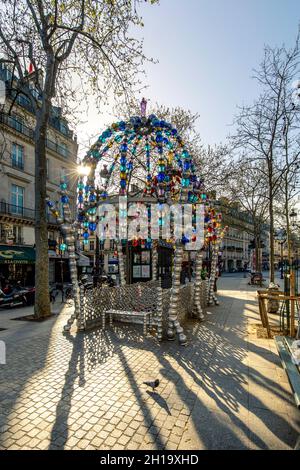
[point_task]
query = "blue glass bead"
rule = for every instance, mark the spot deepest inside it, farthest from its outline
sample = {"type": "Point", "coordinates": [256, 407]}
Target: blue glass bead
{"type": "Point", "coordinates": [185, 154]}
{"type": "Point", "coordinates": [92, 226]}
{"type": "Point", "coordinates": [50, 204]}
{"type": "Point", "coordinates": [86, 235]}
{"type": "Point", "coordinates": [62, 247]}
{"type": "Point", "coordinates": [124, 148]}
{"type": "Point", "coordinates": [123, 184]}
{"type": "Point", "coordinates": [92, 198]}
{"type": "Point", "coordinates": [184, 240]}
{"type": "Point", "coordinates": [123, 168]}
{"type": "Point", "coordinates": [130, 166]}
{"type": "Point", "coordinates": [64, 199]}
{"type": "Point", "coordinates": [174, 131]}
{"type": "Point", "coordinates": [122, 126]}
{"type": "Point", "coordinates": [149, 177]}
{"type": "Point", "coordinates": [159, 138]}
{"type": "Point", "coordinates": [80, 198]}
{"type": "Point", "coordinates": [160, 177]}
{"type": "Point", "coordinates": [185, 182]}
{"type": "Point", "coordinates": [186, 166]}
{"type": "Point", "coordinates": [123, 160]}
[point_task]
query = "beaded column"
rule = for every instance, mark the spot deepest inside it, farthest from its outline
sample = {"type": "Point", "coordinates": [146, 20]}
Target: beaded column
{"type": "Point", "coordinates": [197, 310]}
{"type": "Point", "coordinates": [173, 323]}
{"type": "Point", "coordinates": [159, 313]}
{"type": "Point", "coordinates": [154, 261]}
{"type": "Point", "coordinates": [211, 295]}
{"type": "Point", "coordinates": [68, 231]}
{"type": "Point", "coordinates": [121, 265]}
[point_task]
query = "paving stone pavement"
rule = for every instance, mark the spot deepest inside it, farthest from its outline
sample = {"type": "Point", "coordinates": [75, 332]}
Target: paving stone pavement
{"type": "Point", "coordinates": [224, 390]}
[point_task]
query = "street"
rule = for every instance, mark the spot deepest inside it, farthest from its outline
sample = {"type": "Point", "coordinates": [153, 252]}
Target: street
{"type": "Point", "coordinates": [225, 390]}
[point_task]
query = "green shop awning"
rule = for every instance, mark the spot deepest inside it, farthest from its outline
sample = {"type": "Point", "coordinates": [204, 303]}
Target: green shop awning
{"type": "Point", "coordinates": [11, 254]}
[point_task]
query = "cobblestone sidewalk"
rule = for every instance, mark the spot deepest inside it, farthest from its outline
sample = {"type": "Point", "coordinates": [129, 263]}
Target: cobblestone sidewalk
{"type": "Point", "coordinates": [224, 390]}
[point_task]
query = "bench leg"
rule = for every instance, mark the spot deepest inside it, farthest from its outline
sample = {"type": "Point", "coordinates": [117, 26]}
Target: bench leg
{"type": "Point", "coordinates": [145, 325]}
{"type": "Point", "coordinates": [103, 320]}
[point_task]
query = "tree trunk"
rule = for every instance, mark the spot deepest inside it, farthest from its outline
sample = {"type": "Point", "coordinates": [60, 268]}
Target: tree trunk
{"type": "Point", "coordinates": [42, 301]}
{"type": "Point", "coordinates": [271, 216]}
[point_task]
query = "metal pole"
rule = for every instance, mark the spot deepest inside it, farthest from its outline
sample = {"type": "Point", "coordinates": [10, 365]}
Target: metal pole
{"type": "Point", "coordinates": [281, 254]}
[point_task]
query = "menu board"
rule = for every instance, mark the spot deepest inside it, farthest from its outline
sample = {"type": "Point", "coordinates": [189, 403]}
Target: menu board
{"type": "Point", "coordinates": [145, 271]}
{"type": "Point", "coordinates": [145, 257]}
{"type": "Point", "coordinates": [136, 271]}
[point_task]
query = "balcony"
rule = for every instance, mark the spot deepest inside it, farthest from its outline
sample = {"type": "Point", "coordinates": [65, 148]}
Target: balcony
{"type": "Point", "coordinates": [22, 212]}
{"type": "Point", "coordinates": [18, 126]}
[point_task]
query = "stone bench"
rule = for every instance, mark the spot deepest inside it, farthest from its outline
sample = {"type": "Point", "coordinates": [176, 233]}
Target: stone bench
{"type": "Point", "coordinates": [146, 316]}
{"type": "Point", "coordinates": [292, 370]}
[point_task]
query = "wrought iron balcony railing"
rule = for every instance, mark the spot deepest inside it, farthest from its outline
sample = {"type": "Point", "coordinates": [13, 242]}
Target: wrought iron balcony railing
{"type": "Point", "coordinates": [18, 126]}
{"type": "Point", "coordinates": [22, 212]}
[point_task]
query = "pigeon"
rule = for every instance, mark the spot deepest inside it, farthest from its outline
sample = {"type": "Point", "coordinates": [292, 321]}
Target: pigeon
{"type": "Point", "coordinates": [153, 384]}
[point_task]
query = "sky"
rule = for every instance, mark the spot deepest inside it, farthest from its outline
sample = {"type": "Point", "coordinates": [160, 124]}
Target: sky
{"type": "Point", "coordinates": [206, 52]}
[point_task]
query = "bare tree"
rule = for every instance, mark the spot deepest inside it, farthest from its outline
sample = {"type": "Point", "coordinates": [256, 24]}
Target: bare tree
{"type": "Point", "coordinates": [247, 188]}
{"type": "Point", "coordinates": [259, 127]}
{"type": "Point", "coordinates": [74, 46]}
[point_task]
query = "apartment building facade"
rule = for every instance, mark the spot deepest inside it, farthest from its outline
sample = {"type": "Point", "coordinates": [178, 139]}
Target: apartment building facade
{"type": "Point", "coordinates": [235, 252]}
{"type": "Point", "coordinates": [17, 187]}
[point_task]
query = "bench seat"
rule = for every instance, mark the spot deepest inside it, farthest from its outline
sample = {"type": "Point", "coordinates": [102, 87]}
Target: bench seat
{"type": "Point", "coordinates": [128, 313]}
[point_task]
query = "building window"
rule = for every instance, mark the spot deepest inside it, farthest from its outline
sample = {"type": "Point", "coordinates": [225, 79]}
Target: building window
{"type": "Point", "coordinates": [92, 245]}
{"type": "Point", "coordinates": [17, 156]}
{"type": "Point", "coordinates": [47, 168]}
{"type": "Point", "coordinates": [63, 149]}
{"type": "Point", "coordinates": [63, 175]}
{"type": "Point", "coordinates": [17, 231]}
{"type": "Point", "coordinates": [17, 199]}
{"type": "Point", "coordinates": [17, 122]}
